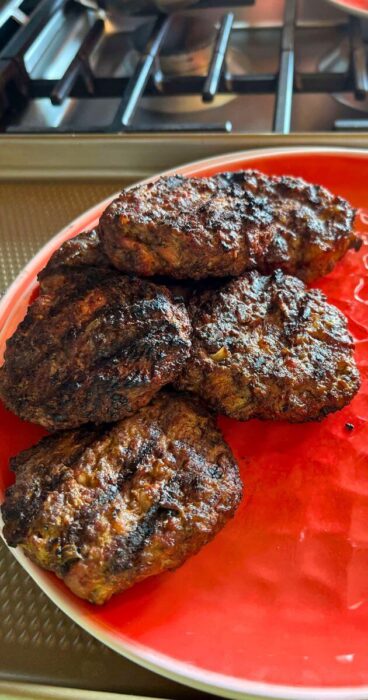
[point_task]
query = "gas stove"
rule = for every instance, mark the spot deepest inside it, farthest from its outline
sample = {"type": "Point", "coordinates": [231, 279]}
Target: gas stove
{"type": "Point", "coordinates": [267, 66]}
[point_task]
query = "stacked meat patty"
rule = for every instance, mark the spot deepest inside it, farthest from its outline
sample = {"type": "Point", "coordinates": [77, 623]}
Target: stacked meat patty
{"type": "Point", "coordinates": [266, 347]}
{"type": "Point", "coordinates": [140, 478]}
{"type": "Point", "coordinates": [226, 225]}
{"type": "Point", "coordinates": [104, 507]}
{"type": "Point", "coordinates": [95, 348]}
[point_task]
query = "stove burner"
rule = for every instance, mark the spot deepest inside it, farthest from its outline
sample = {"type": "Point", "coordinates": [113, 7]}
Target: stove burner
{"type": "Point", "coordinates": [187, 51]}
{"type": "Point", "coordinates": [188, 46]}
{"type": "Point", "coordinates": [70, 66]}
{"type": "Point", "coordinates": [338, 61]}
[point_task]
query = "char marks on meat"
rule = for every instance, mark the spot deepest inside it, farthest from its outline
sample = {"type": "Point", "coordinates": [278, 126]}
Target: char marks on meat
{"type": "Point", "coordinates": [95, 347]}
{"type": "Point", "coordinates": [267, 347]}
{"type": "Point", "coordinates": [107, 507]}
{"type": "Point", "coordinates": [225, 225]}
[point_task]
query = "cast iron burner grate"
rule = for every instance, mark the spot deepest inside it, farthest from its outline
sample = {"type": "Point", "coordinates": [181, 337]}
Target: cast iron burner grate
{"type": "Point", "coordinates": [30, 27]}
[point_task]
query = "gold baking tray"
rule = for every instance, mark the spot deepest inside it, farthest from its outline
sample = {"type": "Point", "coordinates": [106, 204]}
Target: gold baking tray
{"type": "Point", "coordinates": [34, 691]}
{"type": "Point", "coordinates": [88, 157]}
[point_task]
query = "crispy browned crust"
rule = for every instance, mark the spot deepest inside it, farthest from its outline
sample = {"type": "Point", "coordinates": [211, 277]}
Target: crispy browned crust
{"type": "Point", "coordinates": [106, 507]}
{"type": "Point", "coordinates": [96, 348]}
{"type": "Point", "coordinates": [85, 250]}
{"type": "Point", "coordinates": [76, 253]}
{"type": "Point", "coordinates": [267, 347]}
{"type": "Point", "coordinates": [227, 224]}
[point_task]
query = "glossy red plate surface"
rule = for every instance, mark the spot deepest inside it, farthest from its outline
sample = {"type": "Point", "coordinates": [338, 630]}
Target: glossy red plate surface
{"type": "Point", "coordinates": [277, 604]}
{"type": "Point", "coordinates": [355, 7]}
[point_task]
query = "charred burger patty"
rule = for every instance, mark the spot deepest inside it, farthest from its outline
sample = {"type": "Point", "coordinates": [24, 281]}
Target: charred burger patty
{"type": "Point", "coordinates": [109, 506]}
{"type": "Point", "coordinates": [267, 347]}
{"type": "Point", "coordinates": [225, 225]}
{"type": "Point", "coordinates": [95, 348]}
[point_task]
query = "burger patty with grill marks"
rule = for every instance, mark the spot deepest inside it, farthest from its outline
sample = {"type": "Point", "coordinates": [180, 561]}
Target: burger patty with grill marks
{"type": "Point", "coordinates": [267, 347]}
{"type": "Point", "coordinates": [227, 224]}
{"type": "Point", "coordinates": [95, 347]}
{"type": "Point", "coordinates": [105, 507]}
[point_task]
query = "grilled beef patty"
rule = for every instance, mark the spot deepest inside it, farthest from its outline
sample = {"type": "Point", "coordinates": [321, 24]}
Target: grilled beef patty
{"type": "Point", "coordinates": [105, 507]}
{"type": "Point", "coordinates": [267, 347]}
{"type": "Point", "coordinates": [96, 347]}
{"type": "Point", "coordinates": [225, 225]}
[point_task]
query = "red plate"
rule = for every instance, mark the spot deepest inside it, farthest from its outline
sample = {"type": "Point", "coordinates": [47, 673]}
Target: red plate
{"type": "Point", "coordinates": [355, 7]}
{"type": "Point", "coordinates": [277, 604]}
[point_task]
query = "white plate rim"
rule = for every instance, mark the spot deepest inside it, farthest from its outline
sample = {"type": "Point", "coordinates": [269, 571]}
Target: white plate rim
{"type": "Point", "coordinates": [344, 7]}
{"type": "Point", "coordinates": [181, 672]}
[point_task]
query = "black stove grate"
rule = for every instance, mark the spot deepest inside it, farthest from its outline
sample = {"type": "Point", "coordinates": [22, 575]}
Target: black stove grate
{"type": "Point", "coordinates": [24, 24]}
